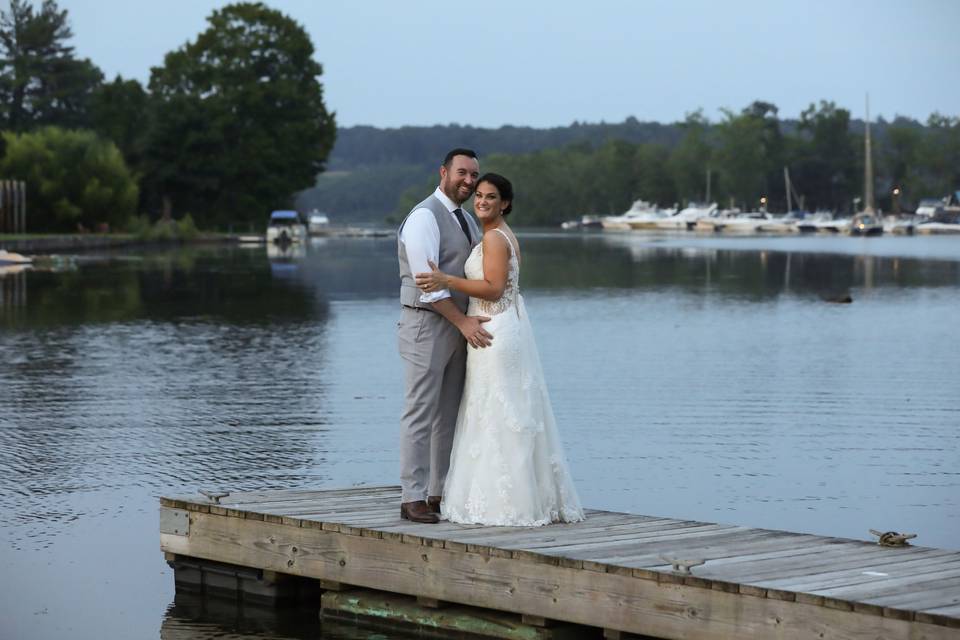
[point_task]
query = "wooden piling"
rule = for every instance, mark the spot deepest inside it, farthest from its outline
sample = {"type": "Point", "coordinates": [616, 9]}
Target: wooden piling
{"type": "Point", "coordinates": [13, 206]}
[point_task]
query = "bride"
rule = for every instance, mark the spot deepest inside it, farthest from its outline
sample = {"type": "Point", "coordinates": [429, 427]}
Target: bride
{"type": "Point", "coordinates": [507, 466]}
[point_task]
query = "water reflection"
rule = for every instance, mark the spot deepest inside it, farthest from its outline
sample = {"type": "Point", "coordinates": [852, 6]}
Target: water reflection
{"type": "Point", "coordinates": [232, 286]}
{"type": "Point", "coordinates": [13, 292]}
{"type": "Point", "coordinates": [637, 262]}
{"type": "Point", "coordinates": [163, 371]}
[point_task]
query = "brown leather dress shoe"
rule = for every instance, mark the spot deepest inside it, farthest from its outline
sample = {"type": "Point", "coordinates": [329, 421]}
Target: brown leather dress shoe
{"type": "Point", "coordinates": [434, 503]}
{"type": "Point", "coordinates": [418, 511]}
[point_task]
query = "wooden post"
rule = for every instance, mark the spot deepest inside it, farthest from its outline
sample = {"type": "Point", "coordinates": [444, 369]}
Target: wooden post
{"type": "Point", "coordinates": [23, 207]}
{"type": "Point", "coordinates": [21, 191]}
{"type": "Point", "coordinates": [430, 603]}
{"type": "Point", "coordinates": [331, 585]}
{"type": "Point", "coordinates": [13, 206]}
{"type": "Point", "coordinates": [6, 222]}
{"type": "Point", "coordinates": [537, 621]}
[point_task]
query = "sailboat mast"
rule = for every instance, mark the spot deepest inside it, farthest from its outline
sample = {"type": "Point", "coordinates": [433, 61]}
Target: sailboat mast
{"type": "Point", "coordinates": [868, 206]}
{"type": "Point", "coordinates": [786, 183]}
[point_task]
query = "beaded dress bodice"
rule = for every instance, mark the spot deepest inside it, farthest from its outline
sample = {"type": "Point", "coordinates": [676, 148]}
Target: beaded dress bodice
{"type": "Point", "coordinates": [473, 269]}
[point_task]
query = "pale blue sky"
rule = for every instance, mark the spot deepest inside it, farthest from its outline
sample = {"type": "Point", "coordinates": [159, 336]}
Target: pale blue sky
{"type": "Point", "coordinates": [390, 63]}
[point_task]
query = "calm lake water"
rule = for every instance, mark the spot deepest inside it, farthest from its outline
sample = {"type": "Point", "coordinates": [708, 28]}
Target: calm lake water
{"type": "Point", "coordinates": [692, 377]}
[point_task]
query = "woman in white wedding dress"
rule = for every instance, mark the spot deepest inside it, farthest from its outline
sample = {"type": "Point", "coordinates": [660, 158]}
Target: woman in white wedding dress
{"type": "Point", "coordinates": [507, 467]}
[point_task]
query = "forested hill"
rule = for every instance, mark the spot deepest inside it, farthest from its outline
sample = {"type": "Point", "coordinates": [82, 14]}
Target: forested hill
{"type": "Point", "coordinates": [563, 172]}
{"type": "Point", "coordinates": [365, 146]}
{"type": "Point", "coordinates": [369, 168]}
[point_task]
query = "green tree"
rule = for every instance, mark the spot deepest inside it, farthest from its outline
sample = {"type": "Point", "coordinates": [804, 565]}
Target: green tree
{"type": "Point", "coordinates": [899, 163]}
{"type": "Point", "coordinates": [74, 179]}
{"type": "Point", "coordinates": [652, 176]}
{"type": "Point", "coordinates": [691, 158]}
{"type": "Point", "coordinates": [119, 111]}
{"type": "Point", "coordinates": [617, 179]}
{"type": "Point", "coordinates": [239, 120]}
{"type": "Point", "coordinates": [750, 153]}
{"type": "Point", "coordinates": [941, 154]}
{"type": "Point", "coordinates": [824, 164]}
{"type": "Point", "coordinates": [41, 83]}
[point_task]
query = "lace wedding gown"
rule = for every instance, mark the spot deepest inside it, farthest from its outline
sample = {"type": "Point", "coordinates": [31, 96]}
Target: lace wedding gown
{"type": "Point", "coordinates": [507, 466]}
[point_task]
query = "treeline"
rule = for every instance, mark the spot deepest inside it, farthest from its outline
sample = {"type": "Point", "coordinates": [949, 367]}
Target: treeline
{"type": "Point", "coordinates": [228, 128]}
{"type": "Point", "coordinates": [369, 168]}
{"type": "Point", "coordinates": [365, 146]}
{"type": "Point", "coordinates": [602, 168]}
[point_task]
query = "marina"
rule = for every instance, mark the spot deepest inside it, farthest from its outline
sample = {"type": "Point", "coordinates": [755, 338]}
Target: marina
{"type": "Point", "coordinates": [619, 572]}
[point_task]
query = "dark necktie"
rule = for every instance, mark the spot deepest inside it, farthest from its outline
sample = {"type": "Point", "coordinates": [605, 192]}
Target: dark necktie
{"type": "Point", "coordinates": [463, 224]}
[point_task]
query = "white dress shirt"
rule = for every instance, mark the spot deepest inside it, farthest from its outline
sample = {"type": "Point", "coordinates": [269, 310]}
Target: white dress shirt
{"type": "Point", "coordinates": [421, 238]}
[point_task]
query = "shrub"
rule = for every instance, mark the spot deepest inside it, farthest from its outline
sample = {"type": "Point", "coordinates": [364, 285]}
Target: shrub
{"type": "Point", "coordinates": [75, 179]}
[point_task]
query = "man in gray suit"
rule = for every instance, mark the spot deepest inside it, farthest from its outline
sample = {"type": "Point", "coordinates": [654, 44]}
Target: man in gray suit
{"type": "Point", "coordinates": [433, 332]}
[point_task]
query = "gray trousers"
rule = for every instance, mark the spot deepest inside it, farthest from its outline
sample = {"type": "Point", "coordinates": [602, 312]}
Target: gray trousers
{"type": "Point", "coordinates": [435, 360]}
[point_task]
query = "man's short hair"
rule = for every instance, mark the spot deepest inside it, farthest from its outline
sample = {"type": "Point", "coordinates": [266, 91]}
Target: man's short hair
{"type": "Point", "coordinates": [459, 151]}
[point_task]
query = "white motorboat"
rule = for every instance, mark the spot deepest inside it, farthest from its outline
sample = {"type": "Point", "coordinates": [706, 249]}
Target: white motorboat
{"type": "Point", "coordinates": [930, 207]}
{"type": "Point", "coordinates": [734, 221]}
{"type": "Point", "coordinates": [686, 219]}
{"type": "Point", "coordinates": [823, 222]}
{"type": "Point", "coordinates": [779, 224]}
{"type": "Point", "coordinates": [317, 223]}
{"type": "Point", "coordinates": [640, 215]}
{"type": "Point", "coordinates": [286, 227]}
{"type": "Point", "coordinates": [903, 225]}
{"type": "Point", "coordinates": [9, 257]}
{"type": "Point", "coordinates": [585, 222]}
{"type": "Point", "coordinates": [643, 215]}
{"type": "Point", "coordinates": [812, 223]}
{"type": "Point", "coordinates": [937, 228]}
{"type": "Point", "coordinates": [745, 223]}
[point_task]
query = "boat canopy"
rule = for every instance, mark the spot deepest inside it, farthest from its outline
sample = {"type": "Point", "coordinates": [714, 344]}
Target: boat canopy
{"type": "Point", "coordinates": [284, 215]}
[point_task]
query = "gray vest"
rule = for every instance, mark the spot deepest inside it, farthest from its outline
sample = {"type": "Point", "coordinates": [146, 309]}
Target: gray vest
{"type": "Point", "coordinates": [454, 251]}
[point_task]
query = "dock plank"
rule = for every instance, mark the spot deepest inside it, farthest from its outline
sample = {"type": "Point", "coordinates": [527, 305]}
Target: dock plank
{"type": "Point", "coordinates": [905, 571]}
{"type": "Point", "coordinates": [827, 562]}
{"type": "Point", "coordinates": [868, 591]}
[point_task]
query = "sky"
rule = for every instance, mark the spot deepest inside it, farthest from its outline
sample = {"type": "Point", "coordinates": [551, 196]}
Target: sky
{"type": "Point", "coordinates": [544, 64]}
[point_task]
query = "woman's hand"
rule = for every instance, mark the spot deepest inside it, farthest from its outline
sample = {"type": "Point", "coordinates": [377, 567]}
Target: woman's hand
{"type": "Point", "coordinates": [436, 280]}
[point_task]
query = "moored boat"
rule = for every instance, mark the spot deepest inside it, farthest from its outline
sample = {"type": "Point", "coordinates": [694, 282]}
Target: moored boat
{"type": "Point", "coordinates": [640, 215]}
{"type": "Point", "coordinates": [9, 257]}
{"type": "Point", "coordinates": [937, 228]}
{"type": "Point", "coordinates": [686, 219]}
{"type": "Point", "coordinates": [286, 227]}
{"type": "Point", "coordinates": [865, 224]}
{"type": "Point", "coordinates": [318, 223]}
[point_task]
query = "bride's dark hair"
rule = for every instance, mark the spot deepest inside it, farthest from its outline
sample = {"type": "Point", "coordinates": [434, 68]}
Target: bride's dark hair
{"type": "Point", "coordinates": [503, 187]}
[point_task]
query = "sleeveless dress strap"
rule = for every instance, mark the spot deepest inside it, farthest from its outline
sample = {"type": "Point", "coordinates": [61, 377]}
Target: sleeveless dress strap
{"type": "Point", "coordinates": [507, 238]}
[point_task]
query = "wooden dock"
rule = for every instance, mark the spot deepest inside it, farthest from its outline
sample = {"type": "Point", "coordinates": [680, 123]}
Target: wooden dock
{"type": "Point", "coordinates": [615, 571]}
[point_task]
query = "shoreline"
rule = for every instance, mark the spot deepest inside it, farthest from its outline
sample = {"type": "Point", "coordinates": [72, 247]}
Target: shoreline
{"type": "Point", "coordinates": [90, 241]}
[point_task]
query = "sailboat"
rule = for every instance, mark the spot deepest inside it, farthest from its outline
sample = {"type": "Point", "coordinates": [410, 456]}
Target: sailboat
{"type": "Point", "coordinates": [786, 223]}
{"type": "Point", "coordinates": [867, 222]}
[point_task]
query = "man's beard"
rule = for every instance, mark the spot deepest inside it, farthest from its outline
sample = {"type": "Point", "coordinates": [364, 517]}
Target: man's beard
{"type": "Point", "coordinates": [455, 196]}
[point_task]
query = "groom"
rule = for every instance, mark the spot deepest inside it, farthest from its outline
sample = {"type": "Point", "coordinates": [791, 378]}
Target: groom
{"type": "Point", "coordinates": [433, 332]}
